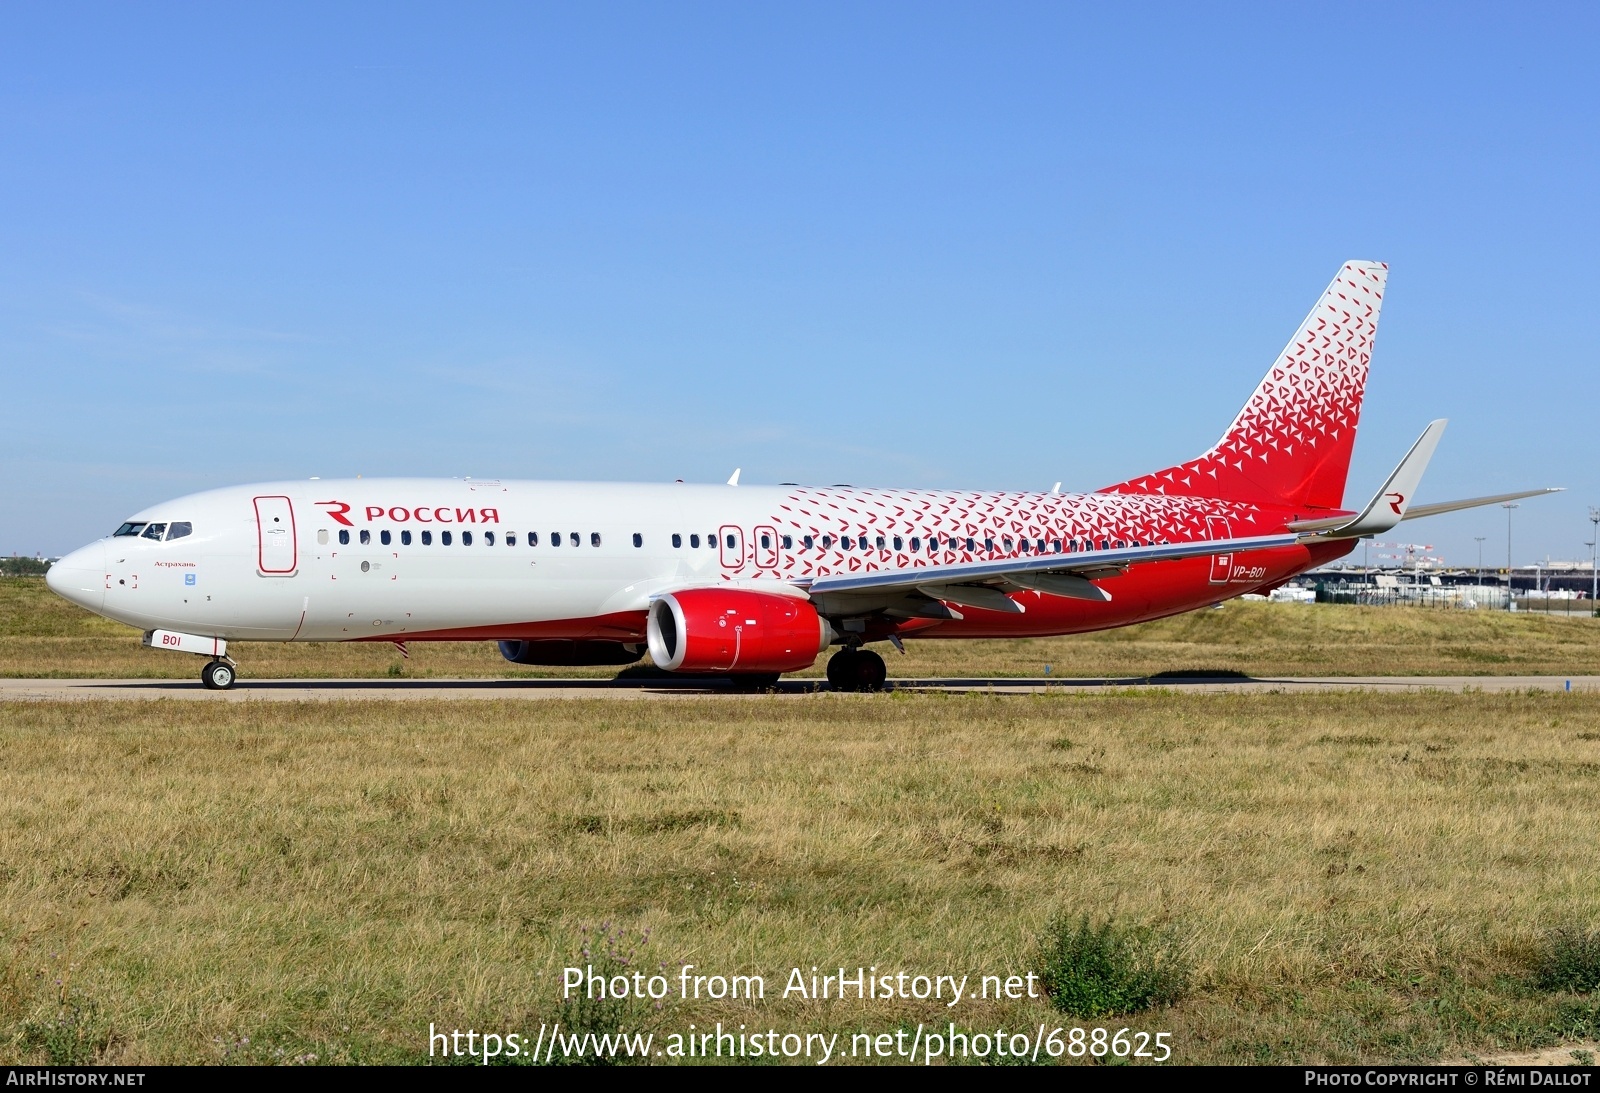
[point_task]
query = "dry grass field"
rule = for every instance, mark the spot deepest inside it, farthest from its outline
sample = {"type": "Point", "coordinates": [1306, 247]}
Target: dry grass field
{"type": "Point", "coordinates": [1351, 877]}
{"type": "Point", "coordinates": [43, 636]}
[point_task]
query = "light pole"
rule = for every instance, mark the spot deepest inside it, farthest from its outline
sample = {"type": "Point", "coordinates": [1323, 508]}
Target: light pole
{"type": "Point", "coordinates": [1511, 598]}
{"type": "Point", "coordinates": [1594, 577]}
{"type": "Point", "coordinates": [1480, 539]}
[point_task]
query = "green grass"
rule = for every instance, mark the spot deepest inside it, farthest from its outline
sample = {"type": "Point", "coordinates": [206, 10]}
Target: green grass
{"type": "Point", "coordinates": [1094, 970]}
{"type": "Point", "coordinates": [1569, 960]}
{"type": "Point", "coordinates": [1348, 878]}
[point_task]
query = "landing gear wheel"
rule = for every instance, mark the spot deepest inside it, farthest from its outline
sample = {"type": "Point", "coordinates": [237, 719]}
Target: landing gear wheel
{"type": "Point", "coordinates": [217, 675]}
{"type": "Point", "coordinates": [857, 670]}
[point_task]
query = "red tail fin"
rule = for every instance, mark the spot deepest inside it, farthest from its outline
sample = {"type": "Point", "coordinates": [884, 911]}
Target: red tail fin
{"type": "Point", "coordinates": [1291, 443]}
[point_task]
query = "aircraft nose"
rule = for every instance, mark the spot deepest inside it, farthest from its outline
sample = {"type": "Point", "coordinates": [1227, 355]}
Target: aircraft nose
{"type": "Point", "coordinates": [81, 577]}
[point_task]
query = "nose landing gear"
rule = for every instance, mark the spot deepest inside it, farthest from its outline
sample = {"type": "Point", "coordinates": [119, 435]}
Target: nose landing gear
{"type": "Point", "coordinates": [217, 675]}
{"type": "Point", "coordinates": [857, 670]}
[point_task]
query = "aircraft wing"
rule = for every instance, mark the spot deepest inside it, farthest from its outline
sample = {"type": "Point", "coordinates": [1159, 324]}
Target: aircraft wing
{"type": "Point", "coordinates": [984, 584]}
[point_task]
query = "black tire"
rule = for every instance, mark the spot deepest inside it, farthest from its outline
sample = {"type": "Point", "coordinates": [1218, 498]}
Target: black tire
{"type": "Point", "coordinates": [872, 671]}
{"type": "Point", "coordinates": [841, 670]}
{"type": "Point", "coordinates": [857, 670]}
{"type": "Point", "coordinates": [218, 675]}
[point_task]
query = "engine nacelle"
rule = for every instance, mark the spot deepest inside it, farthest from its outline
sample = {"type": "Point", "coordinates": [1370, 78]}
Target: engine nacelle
{"type": "Point", "coordinates": [570, 654]}
{"type": "Point", "coordinates": [733, 630]}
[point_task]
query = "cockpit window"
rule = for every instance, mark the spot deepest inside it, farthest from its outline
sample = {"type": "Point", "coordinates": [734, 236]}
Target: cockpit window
{"type": "Point", "coordinates": [155, 531]}
{"type": "Point", "coordinates": [178, 529]}
{"type": "Point", "coordinates": [130, 529]}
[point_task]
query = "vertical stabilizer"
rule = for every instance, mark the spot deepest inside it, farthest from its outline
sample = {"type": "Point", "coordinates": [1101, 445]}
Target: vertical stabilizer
{"type": "Point", "coordinates": [1291, 443]}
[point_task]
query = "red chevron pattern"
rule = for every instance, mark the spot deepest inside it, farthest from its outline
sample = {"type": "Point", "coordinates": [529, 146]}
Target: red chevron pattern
{"type": "Point", "coordinates": [1032, 523]}
{"type": "Point", "coordinates": [1291, 443]}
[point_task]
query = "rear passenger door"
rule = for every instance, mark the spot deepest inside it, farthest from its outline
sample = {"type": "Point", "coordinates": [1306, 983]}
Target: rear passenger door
{"type": "Point", "coordinates": [1221, 564]}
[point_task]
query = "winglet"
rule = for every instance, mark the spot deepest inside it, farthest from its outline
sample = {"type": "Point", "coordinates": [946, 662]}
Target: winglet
{"type": "Point", "coordinates": [733, 479]}
{"type": "Point", "coordinates": [1388, 506]}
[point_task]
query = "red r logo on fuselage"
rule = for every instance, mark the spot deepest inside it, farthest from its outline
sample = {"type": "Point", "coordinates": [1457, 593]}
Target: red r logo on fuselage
{"type": "Point", "coordinates": [337, 510]}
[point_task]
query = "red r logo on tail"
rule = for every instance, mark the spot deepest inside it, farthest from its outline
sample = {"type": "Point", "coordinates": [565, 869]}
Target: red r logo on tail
{"type": "Point", "coordinates": [1399, 499]}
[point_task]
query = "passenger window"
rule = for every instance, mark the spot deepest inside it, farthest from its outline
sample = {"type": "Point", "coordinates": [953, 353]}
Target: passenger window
{"type": "Point", "coordinates": [694, 541]}
{"type": "Point", "coordinates": [385, 538]}
{"type": "Point", "coordinates": [511, 538]}
{"type": "Point", "coordinates": [1005, 541]}
{"type": "Point", "coordinates": [572, 537]}
{"type": "Point", "coordinates": [788, 542]}
{"type": "Point", "coordinates": [555, 538]}
{"type": "Point", "coordinates": [179, 530]}
{"type": "Point", "coordinates": [155, 531]}
{"type": "Point", "coordinates": [1103, 544]}
{"type": "Point", "coordinates": [845, 543]}
{"type": "Point", "coordinates": [405, 538]}
{"type": "Point", "coordinates": [880, 542]}
{"type": "Point", "coordinates": [899, 543]}
{"type": "Point", "coordinates": [807, 542]}
{"type": "Point", "coordinates": [322, 536]}
{"type": "Point", "coordinates": [916, 542]}
{"type": "Point", "coordinates": [366, 537]}
{"type": "Point", "coordinates": [344, 537]}
{"type": "Point", "coordinates": [129, 529]}
{"type": "Point", "coordinates": [533, 538]}
{"type": "Point", "coordinates": [766, 541]}
{"type": "Point", "coordinates": [731, 542]}
{"type": "Point", "coordinates": [466, 538]}
{"type": "Point", "coordinates": [933, 543]}
{"type": "Point", "coordinates": [971, 545]}
{"type": "Point", "coordinates": [1120, 544]}
{"type": "Point", "coordinates": [444, 538]}
{"type": "Point", "coordinates": [427, 538]}
{"type": "Point", "coordinates": [1056, 544]}
{"type": "Point", "coordinates": [827, 542]}
{"type": "Point", "coordinates": [488, 538]}
{"type": "Point", "coordinates": [988, 544]}
{"type": "Point", "coordinates": [638, 540]}
{"type": "Point", "coordinates": [677, 541]}
{"type": "Point", "coordinates": [594, 538]}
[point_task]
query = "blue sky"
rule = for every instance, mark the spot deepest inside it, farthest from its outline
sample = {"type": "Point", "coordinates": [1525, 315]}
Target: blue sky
{"type": "Point", "coordinates": [908, 245]}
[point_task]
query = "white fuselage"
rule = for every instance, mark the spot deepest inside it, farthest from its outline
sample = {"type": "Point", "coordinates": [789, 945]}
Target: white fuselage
{"type": "Point", "coordinates": [407, 559]}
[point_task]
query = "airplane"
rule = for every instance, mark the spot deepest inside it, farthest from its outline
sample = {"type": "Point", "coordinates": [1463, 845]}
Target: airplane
{"type": "Point", "coordinates": [749, 582]}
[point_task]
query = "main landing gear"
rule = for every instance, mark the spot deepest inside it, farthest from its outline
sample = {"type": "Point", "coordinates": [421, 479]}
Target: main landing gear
{"type": "Point", "coordinates": [217, 675]}
{"type": "Point", "coordinates": [856, 670]}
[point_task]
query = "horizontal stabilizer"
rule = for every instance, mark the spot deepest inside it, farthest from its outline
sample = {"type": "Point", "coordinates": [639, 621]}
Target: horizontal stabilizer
{"type": "Point", "coordinates": [1388, 506]}
{"type": "Point", "coordinates": [1392, 503]}
{"type": "Point", "coordinates": [1416, 511]}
